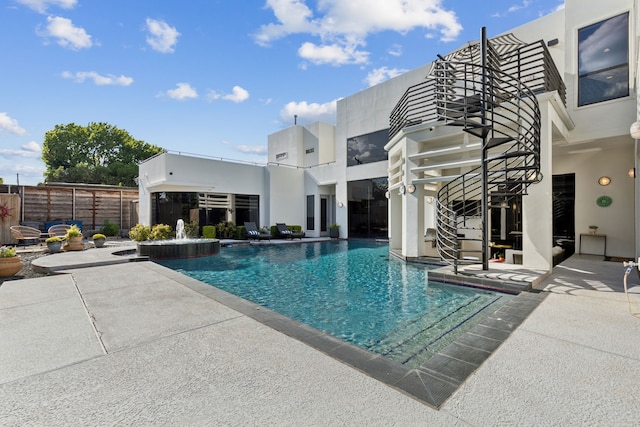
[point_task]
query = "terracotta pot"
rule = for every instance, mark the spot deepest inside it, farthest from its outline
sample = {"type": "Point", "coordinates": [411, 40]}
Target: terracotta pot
{"type": "Point", "coordinates": [74, 244]}
{"type": "Point", "coordinates": [10, 266]}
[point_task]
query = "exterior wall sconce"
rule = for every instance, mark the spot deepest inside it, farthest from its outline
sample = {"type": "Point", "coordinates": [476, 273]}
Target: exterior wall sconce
{"type": "Point", "coordinates": [402, 189]}
{"type": "Point", "coordinates": [340, 204]}
{"type": "Point", "coordinates": [632, 173]}
{"type": "Point", "coordinates": [634, 131]}
{"type": "Point", "coordinates": [604, 180]}
{"type": "Point", "coordinates": [387, 194]}
{"type": "Point", "coordinates": [411, 188]}
{"type": "Point", "coordinates": [429, 200]}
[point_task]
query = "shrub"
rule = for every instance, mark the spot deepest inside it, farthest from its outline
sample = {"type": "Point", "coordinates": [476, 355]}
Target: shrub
{"type": "Point", "coordinates": [73, 231]}
{"type": "Point", "coordinates": [209, 231]}
{"type": "Point", "coordinates": [99, 236]}
{"type": "Point", "coordinates": [109, 228]}
{"type": "Point", "coordinates": [140, 233]}
{"type": "Point", "coordinates": [161, 232]}
{"type": "Point", "coordinates": [53, 239]}
{"type": "Point", "coordinates": [191, 229]}
{"type": "Point", "coordinates": [226, 230]}
{"type": "Point", "coordinates": [7, 252]}
{"type": "Point", "coordinates": [241, 232]}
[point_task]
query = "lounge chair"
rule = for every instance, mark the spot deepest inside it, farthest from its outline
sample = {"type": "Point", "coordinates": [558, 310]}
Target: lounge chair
{"type": "Point", "coordinates": [59, 230]}
{"type": "Point", "coordinates": [284, 232]}
{"type": "Point", "coordinates": [23, 233]}
{"type": "Point", "coordinates": [254, 233]}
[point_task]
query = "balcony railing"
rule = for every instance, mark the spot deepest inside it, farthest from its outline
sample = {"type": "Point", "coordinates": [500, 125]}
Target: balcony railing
{"type": "Point", "coordinates": [531, 64]}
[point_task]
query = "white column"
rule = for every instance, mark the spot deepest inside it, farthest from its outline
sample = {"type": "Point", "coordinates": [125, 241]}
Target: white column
{"type": "Point", "coordinates": [537, 206]}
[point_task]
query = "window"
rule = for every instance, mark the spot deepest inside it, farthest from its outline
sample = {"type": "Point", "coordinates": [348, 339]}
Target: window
{"type": "Point", "coordinates": [311, 213]}
{"type": "Point", "coordinates": [282, 156]}
{"type": "Point", "coordinates": [367, 148]}
{"type": "Point", "coordinates": [603, 60]}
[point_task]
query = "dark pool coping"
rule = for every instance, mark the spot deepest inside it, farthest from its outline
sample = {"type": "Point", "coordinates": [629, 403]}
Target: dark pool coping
{"type": "Point", "coordinates": [432, 383]}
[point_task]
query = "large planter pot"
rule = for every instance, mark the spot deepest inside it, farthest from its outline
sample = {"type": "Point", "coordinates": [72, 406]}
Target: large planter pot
{"type": "Point", "coordinates": [10, 266]}
{"type": "Point", "coordinates": [98, 242]}
{"type": "Point", "coordinates": [334, 233]}
{"type": "Point", "coordinates": [74, 244]}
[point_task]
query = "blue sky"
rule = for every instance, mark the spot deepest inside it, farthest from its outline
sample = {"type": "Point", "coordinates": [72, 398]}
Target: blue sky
{"type": "Point", "coordinates": [213, 77]}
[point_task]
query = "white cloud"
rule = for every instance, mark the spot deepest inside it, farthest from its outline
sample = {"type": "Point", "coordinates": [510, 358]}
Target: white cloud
{"type": "Point", "coordinates": [182, 91]}
{"type": "Point", "coordinates": [343, 26]}
{"type": "Point", "coordinates": [66, 33]}
{"type": "Point", "coordinates": [334, 54]}
{"type": "Point", "coordinates": [381, 74]}
{"type": "Point", "coordinates": [30, 150]}
{"type": "Point", "coordinates": [41, 6]}
{"type": "Point", "coordinates": [237, 95]}
{"type": "Point", "coordinates": [395, 50]}
{"type": "Point", "coordinates": [256, 149]}
{"type": "Point", "coordinates": [309, 112]}
{"type": "Point", "coordinates": [163, 37]}
{"type": "Point", "coordinates": [98, 79]}
{"type": "Point", "coordinates": [10, 125]}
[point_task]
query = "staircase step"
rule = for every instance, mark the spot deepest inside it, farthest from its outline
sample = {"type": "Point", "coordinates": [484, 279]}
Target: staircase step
{"type": "Point", "coordinates": [479, 131]}
{"type": "Point", "coordinates": [509, 155]}
{"type": "Point", "coordinates": [495, 142]}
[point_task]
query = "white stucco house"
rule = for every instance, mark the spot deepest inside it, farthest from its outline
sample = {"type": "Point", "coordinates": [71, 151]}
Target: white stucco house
{"type": "Point", "coordinates": [537, 136]}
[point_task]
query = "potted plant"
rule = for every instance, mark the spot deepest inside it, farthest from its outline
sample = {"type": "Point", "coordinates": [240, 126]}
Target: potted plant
{"type": "Point", "coordinates": [73, 239]}
{"type": "Point", "coordinates": [334, 231]}
{"type": "Point", "coordinates": [99, 239]}
{"type": "Point", "coordinates": [593, 229]}
{"type": "Point", "coordinates": [54, 243]}
{"type": "Point", "coordinates": [10, 263]}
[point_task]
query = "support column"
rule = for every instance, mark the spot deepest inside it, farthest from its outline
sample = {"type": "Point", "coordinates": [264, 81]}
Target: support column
{"type": "Point", "coordinates": [537, 206]}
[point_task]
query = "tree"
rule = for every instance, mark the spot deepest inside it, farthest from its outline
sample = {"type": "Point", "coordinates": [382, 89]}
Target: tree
{"type": "Point", "coordinates": [98, 153]}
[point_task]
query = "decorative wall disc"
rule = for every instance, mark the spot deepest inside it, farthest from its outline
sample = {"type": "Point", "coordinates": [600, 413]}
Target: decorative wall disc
{"type": "Point", "coordinates": [604, 201]}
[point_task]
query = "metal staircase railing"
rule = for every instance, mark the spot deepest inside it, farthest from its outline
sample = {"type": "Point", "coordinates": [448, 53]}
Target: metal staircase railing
{"type": "Point", "coordinates": [501, 110]}
{"type": "Point", "coordinates": [490, 94]}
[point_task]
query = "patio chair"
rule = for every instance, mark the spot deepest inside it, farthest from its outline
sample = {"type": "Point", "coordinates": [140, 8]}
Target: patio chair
{"type": "Point", "coordinates": [23, 233]}
{"type": "Point", "coordinates": [284, 232]}
{"type": "Point", "coordinates": [254, 233]}
{"type": "Point", "coordinates": [59, 230]}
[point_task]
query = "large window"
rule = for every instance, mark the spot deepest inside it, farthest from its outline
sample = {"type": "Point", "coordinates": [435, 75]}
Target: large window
{"type": "Point", "coordinates": [367, 148]}
{"type": "Point", "coordinates": [368, 208]}
{"type": "Point", "coordinates": [603, 60]}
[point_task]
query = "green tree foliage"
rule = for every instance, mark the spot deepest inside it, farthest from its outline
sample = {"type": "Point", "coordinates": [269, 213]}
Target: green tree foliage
{"type": "Point", "coordinates": [98, 153]}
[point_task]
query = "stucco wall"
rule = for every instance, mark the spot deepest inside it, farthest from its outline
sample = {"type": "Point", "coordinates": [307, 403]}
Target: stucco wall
{"type": "Point", "coordinates": [617, 220]}
{"type": "Point", "coordinates": [175, 173]}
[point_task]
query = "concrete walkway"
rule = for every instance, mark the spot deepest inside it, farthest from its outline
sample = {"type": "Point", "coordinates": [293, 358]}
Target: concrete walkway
{"type": "Point", "coordinates": [136, 343]}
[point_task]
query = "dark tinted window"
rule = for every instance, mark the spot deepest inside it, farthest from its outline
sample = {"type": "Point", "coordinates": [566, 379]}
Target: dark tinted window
{"type": "Point", "coordinates": [603, 60]}
{"type": "Point", "coordinates": [367, 148]}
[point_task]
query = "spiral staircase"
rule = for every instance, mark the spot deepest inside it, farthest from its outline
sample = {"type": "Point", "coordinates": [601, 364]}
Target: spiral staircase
{"type": "Point", "coordinates": [488, 91]}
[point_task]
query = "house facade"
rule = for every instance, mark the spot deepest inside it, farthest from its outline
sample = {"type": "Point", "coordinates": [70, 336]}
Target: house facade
{"type": "Point", "coordinates": [459, 159]}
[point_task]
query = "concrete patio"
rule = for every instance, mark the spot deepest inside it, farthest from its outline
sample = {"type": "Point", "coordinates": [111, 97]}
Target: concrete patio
{"type": "Point", "coordinates": [136, 343]}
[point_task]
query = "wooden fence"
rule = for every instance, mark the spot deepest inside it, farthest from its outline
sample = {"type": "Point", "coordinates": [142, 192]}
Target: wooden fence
{"type": "Point", "coordinates": [91, 205]}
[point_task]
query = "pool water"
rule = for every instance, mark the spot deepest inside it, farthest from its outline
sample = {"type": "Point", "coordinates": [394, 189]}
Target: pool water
{"type": "Point", "coordinates": [352, 290]}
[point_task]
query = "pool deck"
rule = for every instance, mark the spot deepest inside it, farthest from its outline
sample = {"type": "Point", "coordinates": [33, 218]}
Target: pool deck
{"type": "Point", "coordinates": [136, 343]}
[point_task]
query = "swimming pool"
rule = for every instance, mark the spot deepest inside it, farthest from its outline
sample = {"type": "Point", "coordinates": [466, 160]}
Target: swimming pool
{"type": "Point", "coordinates": [352, 290]}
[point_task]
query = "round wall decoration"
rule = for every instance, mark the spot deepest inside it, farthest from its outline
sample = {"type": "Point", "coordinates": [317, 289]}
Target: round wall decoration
{"type": "Point", "coordinates": [604, 201]}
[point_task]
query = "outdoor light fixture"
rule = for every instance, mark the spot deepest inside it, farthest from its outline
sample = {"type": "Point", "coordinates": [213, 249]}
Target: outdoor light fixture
{"type": "Point", "coordinates": [387, 194]}
{"type": "Point", "coordinates": [411, 188]}
{"type": "Point", "coordinates": [340, 204]}
{"type": "Point", "coordinates": [429, 200]}
{"type": "Point", "coordinates": [402, 189]}
{"type": "Point", "coordinates": [632, 173]}
{"type": "Point", "coordinates": [604, 180]}
{"type": "Point", "coordinates": [635, 130]}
